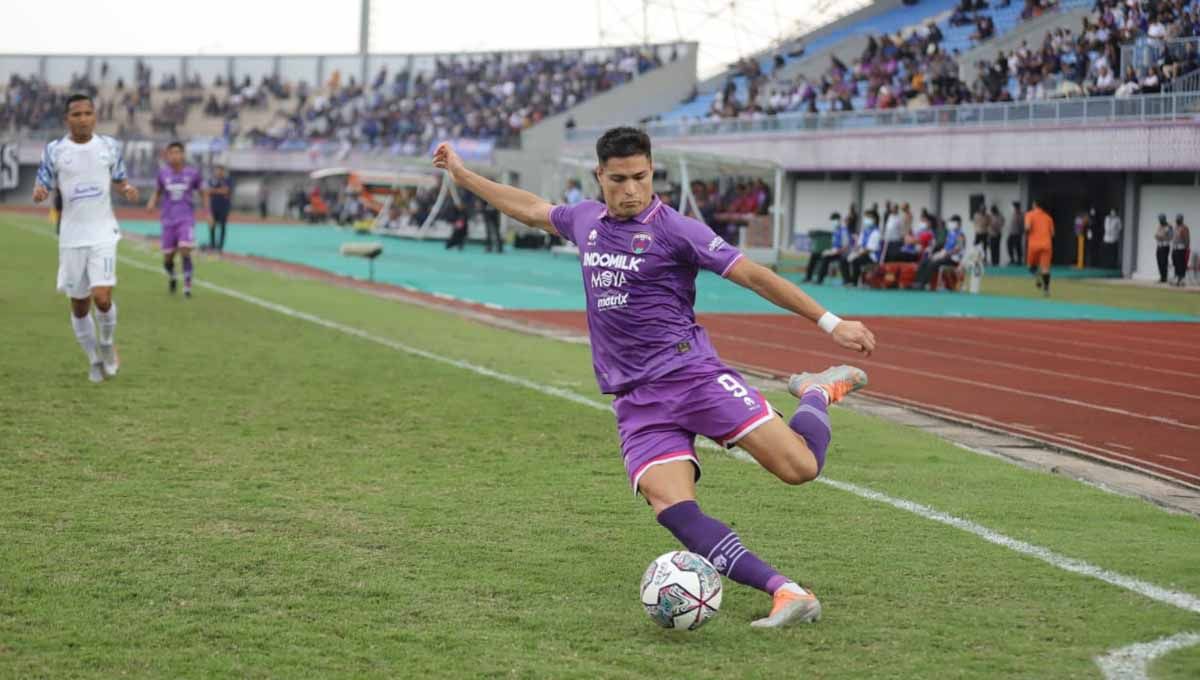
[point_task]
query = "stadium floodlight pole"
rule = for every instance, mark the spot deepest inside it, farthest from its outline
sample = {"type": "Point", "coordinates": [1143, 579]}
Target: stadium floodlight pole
{"type": "Point", "coordinates": [777, 210]}
{"type": "Point", "coordinates": [364, 28]}
{"type": "Point", "coordinates": [684, 182]}
{"type": "Point", "coordinates": [364, 39]}
{"type": "Point", "coordinates": [645, 22]}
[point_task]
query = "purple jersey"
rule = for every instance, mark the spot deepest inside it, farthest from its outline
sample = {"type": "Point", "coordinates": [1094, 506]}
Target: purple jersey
{"type": "Point", "coordinates": [639, 276]}
{"type": "Point", "coordinates": [177, 189]}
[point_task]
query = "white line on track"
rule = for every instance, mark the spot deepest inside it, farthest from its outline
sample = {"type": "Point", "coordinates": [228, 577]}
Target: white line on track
{"type": "Point", "coordinates": [1030, 394]}
{"type": "Point", "coordinates": [980, 361]}
{"type": "Point", "coordinates": [1128, 662]}
{"type": "Point", "coordinates": [1077, 343]}
{"type": "Point", "coordinates": [1141, 464]}
{"type": "Point", "coordinates": [1009, 349]}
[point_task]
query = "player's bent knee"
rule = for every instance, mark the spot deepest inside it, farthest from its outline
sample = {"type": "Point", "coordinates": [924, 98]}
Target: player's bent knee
{"type": "Point", "coordinates": [798, 473]}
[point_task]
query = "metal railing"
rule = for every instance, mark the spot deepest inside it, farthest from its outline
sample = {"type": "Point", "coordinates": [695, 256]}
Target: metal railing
{"type": "Point", "coordinates": [1049, 112]}
{"type": "Point", "coordinates": [1188, 82]}
{"type": "Point", "coordinates": [1146, 52]}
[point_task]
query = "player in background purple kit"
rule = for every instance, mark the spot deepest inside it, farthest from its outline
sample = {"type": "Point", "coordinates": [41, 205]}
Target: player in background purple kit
{"type": "Point", "coordinates": [640, 259]}
{"type": "Point", "coordinates": [177, 184]}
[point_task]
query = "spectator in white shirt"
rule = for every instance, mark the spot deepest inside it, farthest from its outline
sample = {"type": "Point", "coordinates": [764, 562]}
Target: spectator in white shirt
{"type": "Point", "coordinates": [894, 232]}
{"type": "Point", "coordinates": [1105, 82]}
{"type": "Point", "coordinates": [1156, 31]}
{"type": "Point", "coordinates": [1112, 239]}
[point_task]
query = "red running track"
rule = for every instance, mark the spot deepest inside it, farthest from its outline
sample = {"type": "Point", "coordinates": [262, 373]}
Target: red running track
{"type": "Point", "coordinates": [1125, 392]}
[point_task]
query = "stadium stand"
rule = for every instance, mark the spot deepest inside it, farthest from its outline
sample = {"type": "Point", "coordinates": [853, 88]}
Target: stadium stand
{"type": "Point", "coordinates": [492, 96]}
{"type": "Point", "coordinates": [935, 54]}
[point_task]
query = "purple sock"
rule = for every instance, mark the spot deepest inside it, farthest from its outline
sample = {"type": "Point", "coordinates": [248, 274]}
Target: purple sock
{"type": "Point", "coordinates": [169, 267]}
{"type": "Point", "coordinates": [720, 545]}
{"type": "Point", "coordinates": [811, 421]}
{"type": "Point", "coordinates": [187, 271]}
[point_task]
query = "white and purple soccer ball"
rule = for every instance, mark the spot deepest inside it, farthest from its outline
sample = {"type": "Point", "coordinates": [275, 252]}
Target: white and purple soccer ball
{"type": "Point", "coordinates": [681, 590]}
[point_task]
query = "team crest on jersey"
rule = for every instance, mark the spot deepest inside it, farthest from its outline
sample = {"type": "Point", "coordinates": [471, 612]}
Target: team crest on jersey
{"type": "Point", "coordinates": [641, 242]}
{"type": "Point", "coordinates": [592, 236]}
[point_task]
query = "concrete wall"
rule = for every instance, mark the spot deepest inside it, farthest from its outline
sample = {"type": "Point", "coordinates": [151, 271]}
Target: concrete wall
{"type": "Point", "coordinates": [916, 194]}
{"type": "Point", "coordinates": [715, 83]}
{"type": "Point", "coordinates": [814, 65]}
{"type": "Point", "coordinates": [817, 62]}
{"type": "Point", "coordinates": [1171, 200]}
{"type": "Point", "coordinates": [815, 200]}
{"type": "Point", "coordinates": [956, 199]}
{"type": "Point", "coordinates": [1135, 146]}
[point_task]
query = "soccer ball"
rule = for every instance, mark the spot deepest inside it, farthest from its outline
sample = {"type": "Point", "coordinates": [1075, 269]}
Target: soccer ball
{"type": "Point", "coordinates": [681, 590]}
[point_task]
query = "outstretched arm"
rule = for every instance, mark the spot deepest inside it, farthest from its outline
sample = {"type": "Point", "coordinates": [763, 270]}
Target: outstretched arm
{"type": "Point", "coordinates": [518, 204]}
{"type": "Point", "coordinates": [783, 293]}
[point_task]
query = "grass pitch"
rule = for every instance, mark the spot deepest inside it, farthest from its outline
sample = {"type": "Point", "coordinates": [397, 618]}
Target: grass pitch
{"type": "Point", "coordinates": [260, 496]}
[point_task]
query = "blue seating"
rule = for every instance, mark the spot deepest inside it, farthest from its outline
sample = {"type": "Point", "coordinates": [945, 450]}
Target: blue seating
{"type": "Point", "coordinates": [887, 22]}
{"type": "Point", "coordinates": [956, 40]}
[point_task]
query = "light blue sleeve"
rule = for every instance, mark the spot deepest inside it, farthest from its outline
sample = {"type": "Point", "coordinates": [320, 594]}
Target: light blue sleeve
{"type": "Point", "coordinates": [46, 175]}
{"type": "Point", "coordinates": [118, 167]}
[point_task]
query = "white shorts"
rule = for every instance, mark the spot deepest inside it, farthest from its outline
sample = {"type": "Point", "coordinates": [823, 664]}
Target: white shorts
{"type": "Point", "coordinates": [82, 269]}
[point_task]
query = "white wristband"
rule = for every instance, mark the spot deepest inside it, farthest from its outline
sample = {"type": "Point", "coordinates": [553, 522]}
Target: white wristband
{"type": "Point", "coordinates": [828, 322]}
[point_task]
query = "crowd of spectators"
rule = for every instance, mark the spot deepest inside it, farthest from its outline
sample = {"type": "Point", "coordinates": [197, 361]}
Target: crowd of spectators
{"type": "Point", "coordinates": [478, 98]}
{"type": "Point", "coordinates": [1088, 62]}
{"type": "Point", "coordinates": [485, 97]}
{"type": "Point", "coordinates": [31, 103]}
{"type": "Point", "coordinates": [912, 70]}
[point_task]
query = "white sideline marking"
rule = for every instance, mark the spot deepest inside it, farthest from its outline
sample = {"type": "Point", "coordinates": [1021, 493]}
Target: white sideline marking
{"type": "Point", "coordinates": [1126, 662]}
{"type": "Point", "coordinates": [1132, 662]}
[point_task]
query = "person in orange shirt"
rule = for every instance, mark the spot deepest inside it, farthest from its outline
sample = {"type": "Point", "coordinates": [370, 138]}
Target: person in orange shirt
{"type": "Point", "coordinates": [1039, 228]}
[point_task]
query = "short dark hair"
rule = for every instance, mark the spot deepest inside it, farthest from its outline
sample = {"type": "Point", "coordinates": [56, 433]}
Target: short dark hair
{"type": "Point", "coordinates": [621, 142]}
{"type": "Point", "coordinates": [77, 97]}
{"type": "Point", "coordinates": [174, 145]}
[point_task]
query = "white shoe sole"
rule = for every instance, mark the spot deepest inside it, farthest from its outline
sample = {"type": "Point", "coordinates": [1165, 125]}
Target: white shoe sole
{"type": "Point", "coordinates": [801, 382]}
{"type": "Point", "coordinates": [797, 611]}
{"type": "Point", "coordinates": [107, 354]}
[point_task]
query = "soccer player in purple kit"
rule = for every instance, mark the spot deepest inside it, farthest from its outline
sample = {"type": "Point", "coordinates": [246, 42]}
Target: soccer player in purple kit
{"type": "Point", "coordinates": [177, 184]}
{"type": "Point", "coordinates": [640, 259]}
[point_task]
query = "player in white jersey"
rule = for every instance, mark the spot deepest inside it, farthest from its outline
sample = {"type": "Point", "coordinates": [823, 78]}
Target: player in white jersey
{"type": "Point", "coordinates": [84, 167]}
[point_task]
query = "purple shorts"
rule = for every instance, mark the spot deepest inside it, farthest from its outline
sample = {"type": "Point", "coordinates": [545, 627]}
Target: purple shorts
{"type": "Point", "coordinates": [658, 422]}
{"type": "Point", "coordinates": [178, 235]}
